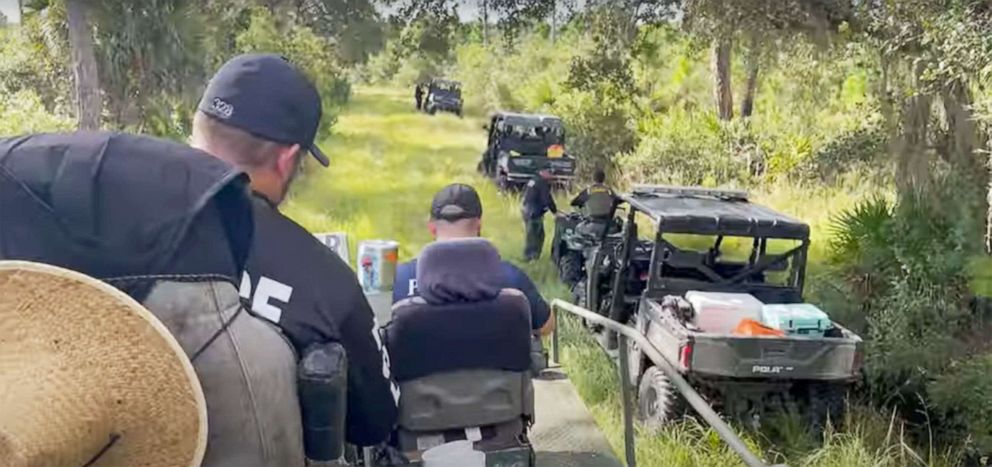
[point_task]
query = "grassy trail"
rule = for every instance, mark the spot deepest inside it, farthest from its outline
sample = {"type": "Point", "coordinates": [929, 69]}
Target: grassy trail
{"type": "Point", "coordinates": [387, 161]}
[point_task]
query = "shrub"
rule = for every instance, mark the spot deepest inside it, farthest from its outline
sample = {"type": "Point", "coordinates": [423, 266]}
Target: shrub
{"type": "Point", "coordinates": [690, 148]}
{"type": "Point", "coordinates": [23, 112]}
{"type": "Point", "coordinates": [963, 397]}
{"type": "Point", "coordinates": [908, 264]}
{"type": "Point", "coordinates": [312, 53]}
{"type": "Point", "coordinates": [598, 128]}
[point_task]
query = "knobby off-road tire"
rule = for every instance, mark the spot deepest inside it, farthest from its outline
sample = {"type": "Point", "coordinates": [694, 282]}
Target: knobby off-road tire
{"type": "Point", "coordinates": [825, 402]}
{"type": "Point", "coordinates": [570, 268]}
{"type": "Point", "coordinates": [658, 401]}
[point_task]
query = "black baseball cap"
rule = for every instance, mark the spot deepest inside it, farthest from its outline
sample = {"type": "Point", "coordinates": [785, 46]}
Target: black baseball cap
{"type": "Point", "coordinates": [265, 95]}
{"type": "Point", "coordinates": [455, 202]}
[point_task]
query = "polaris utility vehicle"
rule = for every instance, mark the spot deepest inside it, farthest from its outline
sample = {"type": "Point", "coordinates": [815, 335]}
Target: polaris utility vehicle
{"type": "Point", "coordinates": [520, 145]}
{"type": "Point", "coordinates": [696, 271]}
{"type": "Point", "coordinates": [445, 96]}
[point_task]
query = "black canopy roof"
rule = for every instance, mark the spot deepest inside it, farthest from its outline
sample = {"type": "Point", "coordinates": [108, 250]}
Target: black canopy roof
{"type": "Point", "coordinates": [712, 212]}
{"type": "Point", "coordinates": [532, 120]}
{"type": "Point", "coordinates": [445, 82]}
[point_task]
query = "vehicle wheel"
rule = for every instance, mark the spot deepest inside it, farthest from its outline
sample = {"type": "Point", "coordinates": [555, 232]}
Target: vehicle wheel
{"type": "Point", "coordinates": [658, 402]}
{"type": "Point", "coordinates": [432, 110]}
{"type": "Point", "coordinates": [579, 294]}
{"type": "Point", "coordinates": [825, 402]}
{"type": "Point", "coordinates": [570, 268]}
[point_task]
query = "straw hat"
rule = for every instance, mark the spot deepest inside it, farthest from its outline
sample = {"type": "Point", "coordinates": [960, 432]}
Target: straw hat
{"type": "Point", "coordinates": [88, 377]}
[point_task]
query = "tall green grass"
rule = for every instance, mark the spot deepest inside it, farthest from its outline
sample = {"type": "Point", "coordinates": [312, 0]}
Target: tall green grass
{"type": "Point", "coordinates": [387, 161]}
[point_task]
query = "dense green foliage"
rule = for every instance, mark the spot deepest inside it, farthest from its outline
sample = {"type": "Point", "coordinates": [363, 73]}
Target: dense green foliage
{"type": "Point", "coordinates": [154, 58]}
{"type": "Point", "coordinates": [869, 120]}
{"type": "Point", "coordinates": [879, 99]}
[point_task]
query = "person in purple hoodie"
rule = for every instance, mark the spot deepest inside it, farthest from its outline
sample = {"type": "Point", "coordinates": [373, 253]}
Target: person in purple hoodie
{"type": "Point", "coordinates": [456, 212]}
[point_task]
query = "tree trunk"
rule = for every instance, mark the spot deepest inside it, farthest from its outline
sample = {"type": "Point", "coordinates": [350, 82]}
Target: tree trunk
{"type": "Point", "coordinates": [554, 21]}
{"type": "Point", "coordinates": [963, 133]}
{"type": "Point", "coordinates": [84, 66]}
{"type": "Point", "coordinates": [988, 211]}
{"type": "Point", "coordinates": [485, 22]}
{"type": "Point", "coordinates": [912, 158]}
{"type": "Point", "coordinates": [753, 65]}
{"type": "Point", "coordinates": [721, 75]}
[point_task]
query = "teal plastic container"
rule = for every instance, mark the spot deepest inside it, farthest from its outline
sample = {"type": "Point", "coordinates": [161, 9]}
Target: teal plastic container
{"type": "Point", "coordinates": [801, 319]}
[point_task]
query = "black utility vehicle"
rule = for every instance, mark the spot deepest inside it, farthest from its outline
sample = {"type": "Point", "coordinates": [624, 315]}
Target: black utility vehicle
{"type": "Point", "coordinates": [688, 265]}
{"type": "Point", "coordinates": [519, 145]}
{"type": "Point", "coordinates": [443, 95]}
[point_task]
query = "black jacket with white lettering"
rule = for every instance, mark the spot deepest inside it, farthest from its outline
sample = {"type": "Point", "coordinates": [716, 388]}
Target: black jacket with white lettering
{"type": "Point", "coordinates": [295, 281]}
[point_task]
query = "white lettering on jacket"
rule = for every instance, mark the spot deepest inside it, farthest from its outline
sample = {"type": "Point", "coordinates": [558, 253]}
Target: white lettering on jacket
{"type": "Point", "coordinates": [386, 373]}
{"type": "Point", "coordinates": [268, 289]}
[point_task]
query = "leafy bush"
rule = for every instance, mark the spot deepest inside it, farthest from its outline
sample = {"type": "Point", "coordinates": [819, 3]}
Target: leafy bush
{"type": "Point", "coordinates": [963, 397]}
{"type": "Point", "coordinates": [313, 54]}
{"type": "Point", "coordinates": [34, 57]}
{"type": "Point", "coordinates": [859, 149]}
{"type": "Point", "coordinates": [908, 266]}
{"type": "Point", "coordinates": [598, 128]}
{"type": "Point", "coordinates": [23, 112]}
{"type": "Point", "coordinates": [690, 148]}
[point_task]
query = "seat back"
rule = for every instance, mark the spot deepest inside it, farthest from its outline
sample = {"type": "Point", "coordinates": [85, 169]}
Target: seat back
{"type": "Point", "coordinates": [425, 339]}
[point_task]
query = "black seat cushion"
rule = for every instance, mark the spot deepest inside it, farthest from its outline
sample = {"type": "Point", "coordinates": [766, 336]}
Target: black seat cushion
{"type": "Point", "coordinates": [425, 339]}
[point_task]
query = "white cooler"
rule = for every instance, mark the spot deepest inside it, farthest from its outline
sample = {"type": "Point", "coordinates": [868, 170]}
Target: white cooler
{"type": "Point", "coordinates": [720, 312]}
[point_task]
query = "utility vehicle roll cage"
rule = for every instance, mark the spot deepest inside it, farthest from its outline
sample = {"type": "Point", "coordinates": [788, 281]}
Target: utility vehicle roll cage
{"type": "Point", "coordinates": [445, 84]}
{"type": "Point", "coordinates": [719, 213]}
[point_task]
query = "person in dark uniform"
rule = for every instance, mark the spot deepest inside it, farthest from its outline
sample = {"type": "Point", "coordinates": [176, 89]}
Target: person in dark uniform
{"type": "Point", "coordinates": [597, 200]}
{"type": "Point", "coordinates": [596, 203]}
{"type": "Point", "coordinates": [537, 200]}
{"type": "Point", "coordinates": [261, 114]}
{"type": "Point", "coordinates": [418, 95]}
{"type": "Point", "coordinates": [456, 213]}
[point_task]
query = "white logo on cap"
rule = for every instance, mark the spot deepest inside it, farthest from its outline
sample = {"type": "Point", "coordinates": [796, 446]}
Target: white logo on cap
{"type": "Point", "coordinates": [222, 108]}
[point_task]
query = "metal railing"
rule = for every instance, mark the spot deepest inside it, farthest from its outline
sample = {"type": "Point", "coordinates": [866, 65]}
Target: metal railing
{"type": "Point", "coordinates": [691, 396]}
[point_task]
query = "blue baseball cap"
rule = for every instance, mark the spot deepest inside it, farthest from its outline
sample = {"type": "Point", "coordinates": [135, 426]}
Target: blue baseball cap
{"type": "Point", "coordinates": [265, 95]}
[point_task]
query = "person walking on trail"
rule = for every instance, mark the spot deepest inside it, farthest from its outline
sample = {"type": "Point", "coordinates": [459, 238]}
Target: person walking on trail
{"type": "Point", "coordinates": [537, 200]}
{"type": "Point", "coordinates": [261, 114]}
{"type": "Point", "coordinates": [418, 95]}
{"type": "Point", "coordinates": [456, 213]}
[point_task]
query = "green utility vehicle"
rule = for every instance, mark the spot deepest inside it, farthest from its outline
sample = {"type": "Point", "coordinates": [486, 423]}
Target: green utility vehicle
{"type": "Point", "coordinates": [520, 145]}
{"type": "Point", "coordinates": [691, 267]}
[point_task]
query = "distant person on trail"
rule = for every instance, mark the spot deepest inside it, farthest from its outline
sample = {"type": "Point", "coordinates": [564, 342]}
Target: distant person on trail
{"type": "Point", "coordinates": [537, 200]}
{"type": "Point", "coordinates": [456, 213]}
{"type": "Point", "coordinates": [418, 95]}
{"type": "Point", "coordinates": [261, 114]}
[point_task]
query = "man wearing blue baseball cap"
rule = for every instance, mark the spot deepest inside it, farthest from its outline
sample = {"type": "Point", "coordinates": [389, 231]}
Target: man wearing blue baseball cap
{"type": "Point", "coordinates": [261, 114]}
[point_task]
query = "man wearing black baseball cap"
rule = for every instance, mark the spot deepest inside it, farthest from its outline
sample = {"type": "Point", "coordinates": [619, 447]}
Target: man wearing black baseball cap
{"type": "Point", "coordinates": [456, 212]}
{"type": "Point", "coordinates": [261, 114]}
